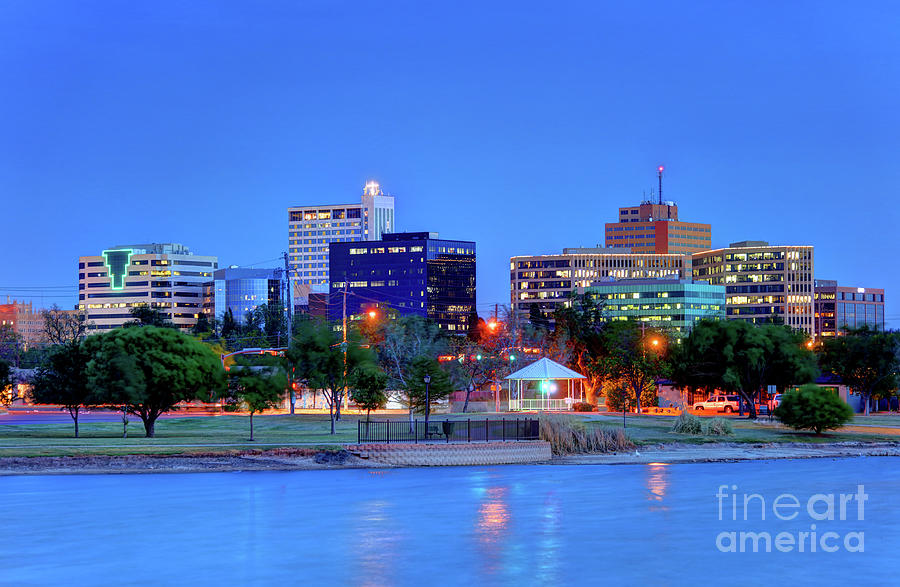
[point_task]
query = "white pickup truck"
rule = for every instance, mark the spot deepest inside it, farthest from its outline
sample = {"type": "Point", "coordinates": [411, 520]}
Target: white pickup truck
{"type": "Point", "coordinates": [719, 403]}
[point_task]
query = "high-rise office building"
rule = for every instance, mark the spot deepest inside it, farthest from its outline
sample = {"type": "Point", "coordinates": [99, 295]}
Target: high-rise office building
{"type": "Point", "coordinates": [242, 290]}
{"type": "Point", "coordinates": [840, 306]}
{"type": "Point", "coordinates": [410, 272]}
{"type": "Point", "coordinates": [762, 282]}
{"type": "Point", "coordinates": [654, 227]}
{"type": "Point", "coordinates": [166, 276]}
{"type": "Point", "coordinates": [672, 304]}
{"type": "Point", "coordinates": [547, 281]}
{"type": "Point", "coordinates": [312, 228]}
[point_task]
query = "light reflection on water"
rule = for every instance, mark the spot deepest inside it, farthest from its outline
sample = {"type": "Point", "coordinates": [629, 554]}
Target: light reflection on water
{"type": "Point", "coordinates": [522, 525]}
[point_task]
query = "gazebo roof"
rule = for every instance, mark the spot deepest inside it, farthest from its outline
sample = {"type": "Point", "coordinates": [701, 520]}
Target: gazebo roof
{"type": "Point", "coordinates": [545, 369]}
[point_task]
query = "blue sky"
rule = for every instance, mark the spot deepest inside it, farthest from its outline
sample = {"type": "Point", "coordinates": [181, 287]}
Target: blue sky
{"type": "Point", "coordinates": [522, 126]}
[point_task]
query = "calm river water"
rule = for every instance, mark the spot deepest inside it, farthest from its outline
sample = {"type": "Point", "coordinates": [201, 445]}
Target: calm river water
{"type": "Point", "coordinates": [512, 525]}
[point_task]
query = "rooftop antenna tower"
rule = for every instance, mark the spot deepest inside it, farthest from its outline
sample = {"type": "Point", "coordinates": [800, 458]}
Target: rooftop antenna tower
{"type": "Point", "coordinates": [659, 171]}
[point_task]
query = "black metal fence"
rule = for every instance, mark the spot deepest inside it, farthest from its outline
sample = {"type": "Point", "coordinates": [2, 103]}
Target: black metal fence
{"type": "Point", "coordinates": [469, 430]}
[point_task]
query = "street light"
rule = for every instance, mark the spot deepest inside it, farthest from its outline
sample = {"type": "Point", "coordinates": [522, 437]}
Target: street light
{"type": "Point", "coordinates": [427, 380]}
{"type": "Point", "coordinates": [373, 314]}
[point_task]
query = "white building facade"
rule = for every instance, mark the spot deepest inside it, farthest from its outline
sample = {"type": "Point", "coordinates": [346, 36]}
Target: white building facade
{"type": "Point", "coordinates": [547, 281]}
{"type": "Point", "coordinates": [165, 276]}
{"type": "Point", "coordinates": [312, 228]}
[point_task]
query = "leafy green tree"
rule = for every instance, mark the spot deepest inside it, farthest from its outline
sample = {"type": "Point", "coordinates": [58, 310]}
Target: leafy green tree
{"type": "Point", "coordinates": [581, 327]}
{"type": "Point", "coordinates": [369, 385]}
{"type": "Point", "coordinates": [231, 330]}
{"type": "Point", "coordinates": [11, 344]}
{"type": "Point", "coordinates": [255, 388]}
{"type": "Point", "coordinates": [149, 316]}
{"type": "Point", "coordinates": [737, 357]}
{"type": "Point", "coordinates": [203, 325]}
{"type": "Point", "coordinates": [317, 357]}
{"type": "Point", "coordinates": [439, 387]}
{"type": "Point", "coordinates": [636, 357]}
{"type": "Point", "coordinates": [811, 407]}
{"type": "Point", "coordinates": [172, 366]}
{"type": "Point", "coordinates": [537, 318]}
{"type": "Point", "coordinates": [866, 360]}
{"type": "Point", "coordinates": [63, 380]}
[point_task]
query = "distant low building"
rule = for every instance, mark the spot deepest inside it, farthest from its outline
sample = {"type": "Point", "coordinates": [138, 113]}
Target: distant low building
{"type": "Point", "coordinates": [839, 307]}
{"type": "Point", "coordinates": [165, 276]}
{"type": "Point", "coordinates": [671, 304]}
{"type": "Point", "coordinates": [24, 320]}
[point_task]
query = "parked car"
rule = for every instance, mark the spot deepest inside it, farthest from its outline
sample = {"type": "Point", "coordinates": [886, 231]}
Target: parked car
{"type": "Point", "coordinates": [719, 403]}
{"type": "Point", "coordinates": [774, 402]}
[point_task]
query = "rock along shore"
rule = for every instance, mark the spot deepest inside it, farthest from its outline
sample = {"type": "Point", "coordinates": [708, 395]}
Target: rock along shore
{"type": "Point", "coordinates": [310, 459]}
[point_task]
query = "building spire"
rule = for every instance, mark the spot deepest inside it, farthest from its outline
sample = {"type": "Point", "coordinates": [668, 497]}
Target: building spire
{"type": "Point", "coordinates": [659, 171]}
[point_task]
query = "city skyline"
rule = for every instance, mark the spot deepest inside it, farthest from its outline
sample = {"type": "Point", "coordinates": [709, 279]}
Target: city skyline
{"type": "Point", "coordinates": [120, 135]}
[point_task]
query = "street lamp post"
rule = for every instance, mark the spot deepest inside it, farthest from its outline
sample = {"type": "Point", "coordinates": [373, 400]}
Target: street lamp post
{"type": "Point", "coordinates": [427, 380]}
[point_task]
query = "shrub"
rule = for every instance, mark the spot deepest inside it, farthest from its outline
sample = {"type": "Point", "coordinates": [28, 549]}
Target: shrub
{"type": "Point", "coordinates": [813, 408]}
{"type": "Point", "coordinates": [717, 427]}
{"type": "Point", "coordinates": [583, 407]}
{"type": "Point", "coordinates": [687, 423]}
{"type": "Point", "coordinates": [568, 435]}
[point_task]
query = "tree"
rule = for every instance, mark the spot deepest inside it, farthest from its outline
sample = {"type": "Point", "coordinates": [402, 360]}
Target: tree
{"type": "Point", "coordinates": [63, 380]}
{"type": "Point", "coordinates": [636, 357]}
{"type": "Point", "coordinates": [231, 330]}
{"type": "Point", "coordinates": [405, 339]}
{"type": "Point", "coordinates": [172, 366]}
{"type": "Point", "coordinates": [581, 326]}
{"type": "Point", "coordinates": [149, 316]}
{"type": "Point", "coordinates": [866, 360]}
{"type": "Point", "coordinates": [11, 344]}
{"type": "Point", "coordinates": [439, 387]}
{"type": "Point", "coordinates": [741, 358]}
{"type": "Point", "coordinates": [369, 385]}
{"type": "Point", "coordinates": [63, 326]}
{"type": "Point", "coordinates": [317, 356]}
{"type": "Point", "coordinates": [6, 383]}
{"type": "Point", "coordinates": [255, 388]}
{"type": "Point", "coordinates": [203, 325]}
{"type": "Point", "coordinates": [811, 407]}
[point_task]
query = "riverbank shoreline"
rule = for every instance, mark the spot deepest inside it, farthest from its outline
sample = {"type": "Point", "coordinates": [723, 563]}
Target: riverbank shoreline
{"type": "Point", "coordinates": [312, 460]}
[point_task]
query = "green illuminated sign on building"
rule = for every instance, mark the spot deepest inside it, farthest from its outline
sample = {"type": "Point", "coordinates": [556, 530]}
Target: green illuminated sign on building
{"type": "Point", "coordinates": [117, 261]}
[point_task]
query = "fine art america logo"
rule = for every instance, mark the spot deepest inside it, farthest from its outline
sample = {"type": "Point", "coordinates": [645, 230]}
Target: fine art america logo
{"type": "Point", "coordinates": [811, 521]}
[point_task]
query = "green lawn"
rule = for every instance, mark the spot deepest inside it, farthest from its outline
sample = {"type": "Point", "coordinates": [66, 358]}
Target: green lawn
{"type": "Point", "coordinates": [657, 429]}
{"type": "Point", "coordinates": [225, 434]}
{"type": "Point", "coordinates": [174, 435]}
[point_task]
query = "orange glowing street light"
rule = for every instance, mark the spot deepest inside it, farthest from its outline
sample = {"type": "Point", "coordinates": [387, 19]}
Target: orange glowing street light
{"type": "Point", "coordinates": [373, 314]}
{"type": "Point", "coordinates": [492, 325]}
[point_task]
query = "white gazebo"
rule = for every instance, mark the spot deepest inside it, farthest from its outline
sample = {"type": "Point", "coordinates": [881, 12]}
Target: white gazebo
{"type": "Point", "coordinates": [536, 387]}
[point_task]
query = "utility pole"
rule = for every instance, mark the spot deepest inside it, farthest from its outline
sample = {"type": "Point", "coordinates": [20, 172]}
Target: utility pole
{"type": "Point", "coordinates": [344, 346]}
{"type": "Point", "coordinates": [286, 296]}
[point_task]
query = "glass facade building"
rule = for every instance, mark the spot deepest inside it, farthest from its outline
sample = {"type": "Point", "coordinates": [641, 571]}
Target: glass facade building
{"type": "Point", "coordinates": [243, 290]}
{"type": "Point", "coordinates": [671, 304]}
{"type": "Point", "coordinates": [411, 272]}
{"type": "Point", "coordinates": [839, 307]}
